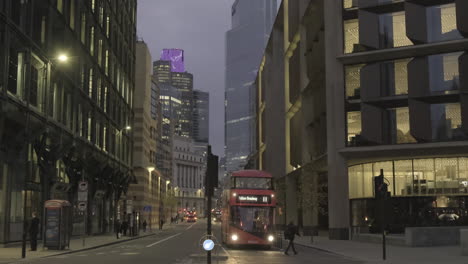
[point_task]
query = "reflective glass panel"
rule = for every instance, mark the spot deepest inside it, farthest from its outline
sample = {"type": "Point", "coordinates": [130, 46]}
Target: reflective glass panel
{"type": "Point", "coordinates": [392, 30]}
{"type": "Point", "coordinates": [424, 180]}
{"type": "Point", "coordinates": [351, 34]}
{"type": "Point", "coordinates": [403, 177]}
{"type": "Point", "coordinates": [353, 81]}
{"type": "Point", "coordinates": [446, 173]}
{"type": "Point", "coordinates": [368, 180]}
{"type": "Point", "coordinates": [442, 23]}
{"type": "Point", "coordinates": [354, 127]}
{"type": "Point", "coordinates": [253, 183]}
{"type": "Point", "coordinates": [446, 122]}
{"type": "Point", "coordinates": [444, 72]}
{"type": "Point", "coordinates": [355, 181]}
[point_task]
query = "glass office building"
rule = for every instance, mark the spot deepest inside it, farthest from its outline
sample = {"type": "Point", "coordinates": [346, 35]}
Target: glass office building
{"type": "Point", "coordinates": [251, 25]}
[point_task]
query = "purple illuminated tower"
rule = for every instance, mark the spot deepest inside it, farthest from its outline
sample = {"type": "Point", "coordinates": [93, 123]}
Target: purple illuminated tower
{"type": "Point", "coordinates": [176, 56]}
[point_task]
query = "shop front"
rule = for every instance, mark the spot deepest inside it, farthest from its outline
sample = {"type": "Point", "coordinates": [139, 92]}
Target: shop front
{"type": "Point", "coordinates": [424, 192]}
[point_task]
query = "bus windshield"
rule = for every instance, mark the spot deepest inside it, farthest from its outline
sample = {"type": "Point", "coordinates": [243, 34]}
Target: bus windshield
{"type": "Point", "coordinates": [252, 183]}
{"type": "Point", "coordinates": [255, 220]}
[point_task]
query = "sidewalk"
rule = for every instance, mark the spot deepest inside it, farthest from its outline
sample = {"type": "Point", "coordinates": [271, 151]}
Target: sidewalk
{"type": "Point", "coordinates": [372, 253]}
{"type": "Point", "coordinates": [10, 254]}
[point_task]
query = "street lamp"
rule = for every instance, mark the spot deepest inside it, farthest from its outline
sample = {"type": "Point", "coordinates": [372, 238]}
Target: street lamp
{"type": "Point", "coordinates": [128, 127]}
{"type": "Point", "coordinates": [62, 57]}
{"type": "Point", "coordinates": [150, 170]}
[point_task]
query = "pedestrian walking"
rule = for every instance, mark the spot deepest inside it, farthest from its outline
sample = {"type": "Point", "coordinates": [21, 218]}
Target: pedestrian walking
{"type": "Point", "coordinates": [161, 223]}
{"type": "Point", "coordinates": [124, 227]}
{"type": "Point", "coordinates": [33, 231]}
{"type": "Point", "coordinates": [118, 228]}
{"type": "Point", "coordinates": [144, 226]}
{"type": "Point", "coordinates": [289, 234]}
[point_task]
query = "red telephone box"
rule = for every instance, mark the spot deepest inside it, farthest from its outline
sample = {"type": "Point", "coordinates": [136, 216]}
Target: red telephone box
{"type": "Point", "coordinates": [58, 215]}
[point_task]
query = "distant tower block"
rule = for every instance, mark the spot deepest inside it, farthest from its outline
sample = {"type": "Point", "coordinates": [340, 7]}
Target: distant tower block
{"type": "Point", "coordinates": [176, 56]}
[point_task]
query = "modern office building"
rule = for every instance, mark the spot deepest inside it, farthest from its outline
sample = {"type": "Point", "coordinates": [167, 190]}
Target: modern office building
{"type": "Point", "coordinates": [201, 116]}
{"type": "Point", "coordinates": [183, 82]}
{"type": "Point", "coordinates": [162, 71]}
{"type": "Point", "coordinates": [146, 193]}
{"type": "Point", "coordinates": [66, 91]}
{"type": "Point", "coordinates": [348, 88]}
{"type": "Point", "coordinates": [251, 26]}
{"type": "Point", "coordinates": [189, 175]}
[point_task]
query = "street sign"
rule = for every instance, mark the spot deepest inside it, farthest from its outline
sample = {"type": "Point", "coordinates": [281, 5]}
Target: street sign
{"type": "Point", "coordinates": [208, 245]}
{"type": "Point", "coordinates": [83, 191]}
{"type": "Point", "coordinates": [82, 206]}
{"type": "Point", "coordinates": [129, 206]}
{"type": "Point", "coordinates": [83, 186]}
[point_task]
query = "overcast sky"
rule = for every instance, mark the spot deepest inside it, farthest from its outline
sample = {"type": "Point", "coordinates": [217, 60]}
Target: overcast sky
{"type": "Point", "coordinates": [198, 27]}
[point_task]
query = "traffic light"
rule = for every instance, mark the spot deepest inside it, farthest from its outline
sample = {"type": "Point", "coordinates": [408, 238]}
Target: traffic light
{"type": "Point", "coordinates": [380, 187]}
{"type": "Point", "coordinates": [211, 176]}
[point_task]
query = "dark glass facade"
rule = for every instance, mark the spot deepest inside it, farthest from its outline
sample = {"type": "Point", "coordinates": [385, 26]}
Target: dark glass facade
{"type": "Point", "coordinates": [414, 101]}
{"type": "Point", "coordinates": [251, 25]}
{"type": "Point", "coordinates": [64, 121]}
{"type": "Point", "coordinates": [201, 116]}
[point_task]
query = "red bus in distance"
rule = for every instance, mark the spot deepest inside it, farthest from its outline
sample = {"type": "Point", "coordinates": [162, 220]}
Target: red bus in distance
{"type": "Point", "coordinates": [248, 209]}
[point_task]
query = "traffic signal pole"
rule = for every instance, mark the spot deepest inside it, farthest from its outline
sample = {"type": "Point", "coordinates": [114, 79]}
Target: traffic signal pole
{"type": "Point", "coordinates": [211, 181]}
{"type": "Point", "coordinates": [381, 193]}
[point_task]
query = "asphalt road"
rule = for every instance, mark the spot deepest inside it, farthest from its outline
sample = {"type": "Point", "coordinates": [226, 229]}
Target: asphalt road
{"type": "Point", "coordinates": [181, 245]}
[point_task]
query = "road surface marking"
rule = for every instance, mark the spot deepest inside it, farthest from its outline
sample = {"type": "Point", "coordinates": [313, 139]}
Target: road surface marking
{"type": "Point", "coordinates": [160, 241]}
{"type": "Point", "coordinates": [130, 253]}
{"type": "Point", "coordinates": [190, 226]}
{"type": "Point", "coordinates": [100, 253]}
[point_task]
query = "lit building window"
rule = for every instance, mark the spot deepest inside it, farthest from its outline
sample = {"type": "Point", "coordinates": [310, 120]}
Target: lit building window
{"type": "Point", "coordinates": [354, 127]}
{"type": "Point", "coordinates": [353, 81]}
{"type": "Point", "coordinates": [442, 23]}
{"type": "Point", "coordinates": [444, 72]}
{"type": "Point", "coordinates": [392, 30]}
{"type": "Point", "coordinates": [351, 35]}
{"type": "Point", "coordinates": [446, 122]}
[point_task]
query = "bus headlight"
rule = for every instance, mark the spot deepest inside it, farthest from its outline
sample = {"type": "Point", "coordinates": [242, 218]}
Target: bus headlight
{"type": "Point", "coordinates": [234, 237]}
{"type": "Point", "coordinates": [271, 238]}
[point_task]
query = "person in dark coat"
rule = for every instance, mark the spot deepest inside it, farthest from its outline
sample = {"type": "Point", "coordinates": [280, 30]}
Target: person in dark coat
{"type": "Point", "coordinates": [124, 227]}
{"type": "Point", "coordinates": [118, 228]}
{"type": "Point", "coordinates": [290, 232]}
{"type": "Point", "coordinates": [144, 226]}
{"type": "Point", "coordinates": [33, 231]}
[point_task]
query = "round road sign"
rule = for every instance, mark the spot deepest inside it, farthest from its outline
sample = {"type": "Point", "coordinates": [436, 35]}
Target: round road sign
{"type": "Point", "coordinates": [208, 245]}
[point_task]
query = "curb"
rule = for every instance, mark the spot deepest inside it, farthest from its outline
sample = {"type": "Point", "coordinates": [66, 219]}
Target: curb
{"type": "Point", "coordinates": [327, 251]}
{"type": "Point", "coordinates": [98, 246]}
{"type": "Point", "coordinates": [79, 250]}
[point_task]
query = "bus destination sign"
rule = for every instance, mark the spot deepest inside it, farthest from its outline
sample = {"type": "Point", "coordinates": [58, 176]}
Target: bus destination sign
{"type": "Point", "coordinates": [265, 199]}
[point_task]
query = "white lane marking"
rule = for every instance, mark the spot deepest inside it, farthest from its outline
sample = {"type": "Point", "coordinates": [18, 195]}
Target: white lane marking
{"type": "Point", "coordinates": [160, 241]}
{"type": "Point", "coordinates": [130, 253]}
{"type": "Point", "coordinates": [100, 253]}
{"type": "Point", "coordinates": [190, 226]}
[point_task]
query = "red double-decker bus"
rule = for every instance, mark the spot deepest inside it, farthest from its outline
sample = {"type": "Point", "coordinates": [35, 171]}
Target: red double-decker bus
{"type": "Point", "coordinates": [248, 209]}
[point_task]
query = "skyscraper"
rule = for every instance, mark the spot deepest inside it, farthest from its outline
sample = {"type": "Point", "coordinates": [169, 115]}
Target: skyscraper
{"type": "Point", "coordinates": [251, 26]}
{"type": "Point", "coordinates": [183, 82]}
{"type": "Point", "coordinates": [201, 116]}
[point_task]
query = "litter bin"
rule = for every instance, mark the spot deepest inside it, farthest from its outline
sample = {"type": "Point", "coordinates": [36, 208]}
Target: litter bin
{"type": "Point", "coordinates": [57, 224]}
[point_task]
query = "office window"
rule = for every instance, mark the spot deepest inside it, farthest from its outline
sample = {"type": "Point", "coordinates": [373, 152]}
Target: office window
{"type": "Point", "coordinates": [106, 94]}
{"type": "Point", "coordinates": [351, 35]}
{"type": "Point", "coordinates": [353, 81]}
{"type": "Point", "coordinates": [60, 6]}
{"type": "Point", "coordinates": [356, 181]}
{"type": "Point", "coordinates": [99, 91]}
{"type": "Point", "coordinates": [91, 42]}
{"type": "Point", "coordinates": [387, 167]}
{"type": "Point", "coordinates": [423, 176]}
{"type": "Point", "coordinates": [72, 14]}
{"type": "Point", "coordinates": [442, 23]}
{"type": "Point", "coordinates": [392, 30]}
{"type": "Point", "coordinates": [347, 4]}
{"type": "Point", "coordinates": [354, 127]}
{"type": "Point", "coordinates": [16, 70]}
{"type": "Point", "coordinates": [399, 125]}
{"type": "Point", "coordinates": [36, 88]}
{"type": "Point", "coordinates": [90, 83]}
{"type": "Point", "coordinates": [446, 122]}
{"type": "Point", "coordinates": [443, 72]}
{"type": "Point", "coordinates": [107, 26]}
{"type": "Point", "coordinates": [100, 52]}
{"type": "Point", "coordinates": [83, 28]}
